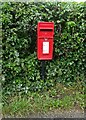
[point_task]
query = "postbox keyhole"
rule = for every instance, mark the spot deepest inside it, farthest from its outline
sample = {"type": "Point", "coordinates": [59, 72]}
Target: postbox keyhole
{"type": "Point", "coordinates": [45, 39]}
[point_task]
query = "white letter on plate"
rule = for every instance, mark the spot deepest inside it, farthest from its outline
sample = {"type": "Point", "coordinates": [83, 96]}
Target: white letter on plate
{"type": "Point", "coordinates": [45, 47]}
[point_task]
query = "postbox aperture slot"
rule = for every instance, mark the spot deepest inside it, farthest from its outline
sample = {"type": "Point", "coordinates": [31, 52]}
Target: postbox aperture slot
{"type": "Point", "coordinates": [46, 30]}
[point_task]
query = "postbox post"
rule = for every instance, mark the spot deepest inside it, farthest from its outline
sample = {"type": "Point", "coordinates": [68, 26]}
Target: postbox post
{"type": "Point", "coordinates": [43, 69]}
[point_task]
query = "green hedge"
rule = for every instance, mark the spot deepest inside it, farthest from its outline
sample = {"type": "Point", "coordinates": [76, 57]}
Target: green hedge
{"type": "Point", "coordinates": [19, 26]}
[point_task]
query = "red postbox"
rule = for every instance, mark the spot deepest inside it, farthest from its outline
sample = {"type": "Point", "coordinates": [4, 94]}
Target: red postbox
{"type": "Point", "coordinates": [45, 37]}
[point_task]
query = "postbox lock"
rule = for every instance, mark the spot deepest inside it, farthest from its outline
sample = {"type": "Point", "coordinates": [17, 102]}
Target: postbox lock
{"type": "Point", "coordinates": [45, 39]}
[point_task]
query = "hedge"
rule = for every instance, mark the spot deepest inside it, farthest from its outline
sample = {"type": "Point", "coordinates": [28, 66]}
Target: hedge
{"type": "Point", "coordinates": [21, 68]}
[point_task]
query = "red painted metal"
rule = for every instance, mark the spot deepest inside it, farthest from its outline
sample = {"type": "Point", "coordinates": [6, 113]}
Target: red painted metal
{"type": "Point", "coordinates": [45, 37]}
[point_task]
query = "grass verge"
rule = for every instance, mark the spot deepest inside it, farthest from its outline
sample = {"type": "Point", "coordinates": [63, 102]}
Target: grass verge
{"type": "Point", "coordinates": [58, 97]}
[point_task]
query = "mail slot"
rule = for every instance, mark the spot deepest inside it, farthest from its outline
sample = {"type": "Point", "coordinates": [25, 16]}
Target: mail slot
{"type": "Point", "coordinates": [45, 37]}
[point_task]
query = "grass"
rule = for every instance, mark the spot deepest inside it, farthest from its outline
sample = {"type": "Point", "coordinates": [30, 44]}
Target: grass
{"type": "Point", "coordinates": [58, 97]}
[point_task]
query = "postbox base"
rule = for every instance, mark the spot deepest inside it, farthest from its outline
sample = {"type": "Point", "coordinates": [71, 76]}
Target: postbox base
{"type": "Point", "coordinates": [44, 58]}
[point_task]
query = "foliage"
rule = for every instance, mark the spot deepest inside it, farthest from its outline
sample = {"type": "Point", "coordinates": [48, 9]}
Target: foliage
{"type": "Point", "coordinates": [21, 69]}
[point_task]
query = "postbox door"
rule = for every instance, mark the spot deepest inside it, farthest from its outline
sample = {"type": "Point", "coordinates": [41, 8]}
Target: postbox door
{"type": "Point", "coordinates": [45, 49]}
